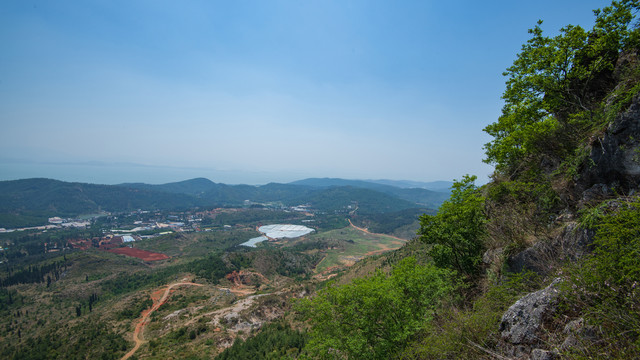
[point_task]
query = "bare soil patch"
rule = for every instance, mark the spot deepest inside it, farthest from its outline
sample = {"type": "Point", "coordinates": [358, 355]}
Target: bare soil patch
{"type": "Point", "coordinates": [140, 254]}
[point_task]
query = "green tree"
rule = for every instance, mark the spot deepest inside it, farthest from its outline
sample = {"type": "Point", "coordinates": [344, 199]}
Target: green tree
{"type": "Point", "coordinates": [552, 80]}
{"type": "Point", "coordinates": [456, 232]}
{"type": "Point", "coordinates": [374, 317]}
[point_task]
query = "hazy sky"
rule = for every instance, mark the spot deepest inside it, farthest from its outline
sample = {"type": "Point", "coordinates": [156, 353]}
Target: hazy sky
{"type": "Point", "coordinates": [258, 91]}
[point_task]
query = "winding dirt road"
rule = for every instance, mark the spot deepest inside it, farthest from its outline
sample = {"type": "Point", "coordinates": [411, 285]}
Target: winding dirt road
{"type": "Point", "coordinates": [159, 297]}
{"type": "Point", "coordinates": [370, 233]}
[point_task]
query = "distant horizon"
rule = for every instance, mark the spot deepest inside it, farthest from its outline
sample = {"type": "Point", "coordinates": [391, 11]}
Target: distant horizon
{"type": "Point", "coordinates": [120, 173]}
{"type": "Point", "coordinates": [256, 92]}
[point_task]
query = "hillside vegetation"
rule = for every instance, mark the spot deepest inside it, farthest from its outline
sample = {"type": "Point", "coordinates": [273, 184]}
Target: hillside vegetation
{"type": "Point", "coordinates": [557, 228]}
{"type": "Point", "coordinates": [543, 262]}
{"type": "Point", "coordinates": [30, 202]}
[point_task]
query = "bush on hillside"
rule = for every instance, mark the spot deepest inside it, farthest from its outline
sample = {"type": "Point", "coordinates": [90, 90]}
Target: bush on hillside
{"type": "Point", "coordinates": [375, 317]}
{"type": "Point", "coordinates": [456, 232]}
{"type": "Point", "coordinates": [606, 286]}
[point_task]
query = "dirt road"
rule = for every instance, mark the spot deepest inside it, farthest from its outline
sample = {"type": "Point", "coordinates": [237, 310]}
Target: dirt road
{"type": "Point", "coordinates": [369, 232]}
{"type": "Point", "coordinates": [159, 297]}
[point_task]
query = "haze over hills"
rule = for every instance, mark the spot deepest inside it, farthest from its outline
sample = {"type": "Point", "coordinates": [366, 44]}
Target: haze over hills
{"type": "Point", "coordinates": [444, 186]}
{"type": "Point", "coordinates": [423, 196]}
{"type": "Point", "coordinates": [29, 202]}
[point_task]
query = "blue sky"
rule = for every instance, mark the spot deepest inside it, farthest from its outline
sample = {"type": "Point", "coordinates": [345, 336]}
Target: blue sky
{"type": "Point", "coordinates": [258, 91]}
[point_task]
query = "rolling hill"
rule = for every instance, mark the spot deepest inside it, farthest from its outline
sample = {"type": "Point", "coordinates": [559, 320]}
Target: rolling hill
{"type": "Point", "coordinates": [29, 202]}
{"type": "Point", "coordinates": [420, 196]}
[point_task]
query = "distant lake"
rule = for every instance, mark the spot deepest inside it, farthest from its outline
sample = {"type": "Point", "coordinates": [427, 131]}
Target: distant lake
{"type": "Point", "coordinates": [254, 241]}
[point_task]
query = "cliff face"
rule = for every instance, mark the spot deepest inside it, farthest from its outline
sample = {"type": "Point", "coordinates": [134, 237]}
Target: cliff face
{"type": "Point", "coordinates": [613, 165]}
{"type": "Point", "coordinates": [534, 327]}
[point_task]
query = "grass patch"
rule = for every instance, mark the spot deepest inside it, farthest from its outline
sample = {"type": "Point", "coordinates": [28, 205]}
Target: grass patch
{"type": "Point", "coordinates": [353, 246]}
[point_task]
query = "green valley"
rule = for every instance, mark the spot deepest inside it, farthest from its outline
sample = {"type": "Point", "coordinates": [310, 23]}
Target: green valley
{"type": "Point", "coordinates": [542, 262]}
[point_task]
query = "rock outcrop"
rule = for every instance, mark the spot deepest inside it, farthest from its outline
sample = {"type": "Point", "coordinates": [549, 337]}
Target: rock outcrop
{"type": "Point", "coordinates": [522, 325]}
{"type": "Point", "coordinates": [613, 165]}
{"type": "Point", "coordinates": [579, 336]}
{"type": "Point", "coordinates": [571, 244]}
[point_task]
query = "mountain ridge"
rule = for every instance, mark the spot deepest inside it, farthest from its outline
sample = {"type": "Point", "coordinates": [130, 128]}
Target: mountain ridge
{"type": "Point", "coordinates": [425, 197]}
{"type": "Point", "coordinates": [29, 202]}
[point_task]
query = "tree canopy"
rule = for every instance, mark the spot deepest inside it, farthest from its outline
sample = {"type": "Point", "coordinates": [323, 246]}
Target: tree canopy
{"type": "Point", "coordinates": [456, 231]}
{"type": "Point", "coordinates": [374, 317]}
{"type": "Point", "coordinates": [555, 86]}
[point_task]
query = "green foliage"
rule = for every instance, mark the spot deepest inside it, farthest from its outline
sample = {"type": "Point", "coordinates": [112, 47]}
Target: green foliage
{"type": "Point", "coordinates": [95, 340]}
{"type": "Point", "coordinates": [573, 163]}
{"type": "Point", "coordinates": [31, 201]}
{"type": "Point", "coordinates": [461, 333]}
{"type": "Point", "coordinates": [326, 222]}
{"type": "Point", "coordinates": [607, 285]}
{"type": "Point", "coordinates": [125, 283]}
{"type": "Point", "coordinates": [24, 219]}
{"type": "Point", "coordinates": [134, 309]}
{"type": "Point", "coordinates": [40, 198]}
{"type": "Point", "coordinates": [456, 231]}
{"type": "Point", "coordinates": [344, 199]}
{"type": "Point", "coordinates": [274, 341]}
{"type": "Point", "coordinates": [374, 317]}
{"type": "Point", "coordinates": [211, 268]}
{"type": "Point", "coordinates": [518, 209]}
{"type": "Point", "coordinates": [591, 216]}
{"type": "Point", "coordinates": [387, 223]}
{"type": "Point", "coordinates": [270, 261]}
{"type": "Point", "coordinates": [7, 299]}
{"type": "Point", "coordinates": [552, 80]}
{"type": "Point", "coordinates": [35, 274]}
{"type": "Point", "coordinates": [248, 216]}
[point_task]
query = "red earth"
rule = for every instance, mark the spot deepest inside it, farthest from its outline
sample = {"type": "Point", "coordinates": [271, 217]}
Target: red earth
{"type": "Point", "coordinates": [141, 254]}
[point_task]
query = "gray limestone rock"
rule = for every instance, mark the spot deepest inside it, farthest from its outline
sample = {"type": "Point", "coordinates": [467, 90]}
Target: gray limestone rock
{"type": "Point", "coordinates": [540, 258]}
{"type": "Point", "coordinates": [540, 354]}
{"type": "Point", "coordinates": [614, 161]}
{"type": "Point", "coordinates": [522, 323]}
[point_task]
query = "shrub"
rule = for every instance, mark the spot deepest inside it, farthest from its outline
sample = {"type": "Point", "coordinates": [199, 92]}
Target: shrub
{"type": "Point", "coordinates": [471, 333]}
{"type": "Point", "coordinates": [374, 317]}
{"type": "Point", "coordinates": [606, 286]}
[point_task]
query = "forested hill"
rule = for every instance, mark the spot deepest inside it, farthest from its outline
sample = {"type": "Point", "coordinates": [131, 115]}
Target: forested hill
{"type": "Point", "coordinates": [29, 202]}
{"type": "Point", "coordinates": [195, 187]}
{"type": "Point", "coordinates": [423, 196]}
{"type": "Point", "coordinates": [318, 192]}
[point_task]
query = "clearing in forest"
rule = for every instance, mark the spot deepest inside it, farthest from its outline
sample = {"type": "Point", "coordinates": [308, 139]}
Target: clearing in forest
{"type": "Point", "coordinates": [357, 244]}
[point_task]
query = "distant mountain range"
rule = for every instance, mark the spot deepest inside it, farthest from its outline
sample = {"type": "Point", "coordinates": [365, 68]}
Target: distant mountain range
{"type": "Point", "coordinates": [30, 201]}
{"type": "Point", "coordinates": [441, 186]}
{"type": "Point", "coordinates": [418, 195]}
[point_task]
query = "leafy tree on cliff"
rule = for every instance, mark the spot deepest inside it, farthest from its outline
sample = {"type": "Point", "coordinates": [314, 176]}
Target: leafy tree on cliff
{"type": "Point", "coordinates": [555, 85]}
{"type": "Point", "coordinates": [456, 232]}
